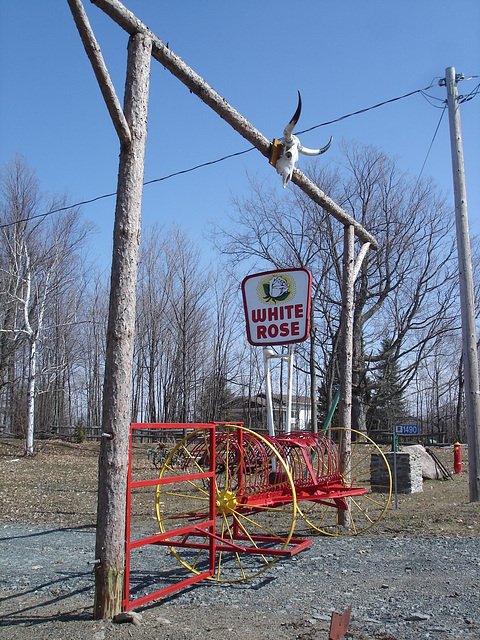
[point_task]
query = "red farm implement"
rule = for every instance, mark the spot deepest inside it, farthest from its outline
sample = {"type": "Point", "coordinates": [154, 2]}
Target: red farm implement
{"type": "Point", "coordinates": [228, 500]}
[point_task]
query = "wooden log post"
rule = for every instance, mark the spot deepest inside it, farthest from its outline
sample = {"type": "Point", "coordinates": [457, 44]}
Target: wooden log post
{"type": "Point", "coordinates": [131, 126]}
{"type": "Point", "coordinates": [94, 54]}
{"type": "Point", "coordinates": [113, 461]}
{"type": "Point", "coordinates": [346, 356]}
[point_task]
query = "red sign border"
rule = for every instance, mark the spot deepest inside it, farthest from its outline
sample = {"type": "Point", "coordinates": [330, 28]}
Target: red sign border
{"type": "Point", "coordinates": [309, 298]}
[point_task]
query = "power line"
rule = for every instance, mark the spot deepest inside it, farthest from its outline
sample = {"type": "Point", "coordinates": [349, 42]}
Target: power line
{"type": "Point", "coordinates": [114, 193]}
{"type": "Point", "coordinates": [432, 99]}
{"type": "Point", "coordinates": [199, 166]}
{"type": "Point", "coordinates": [431, 145]}
{"type": "Point", "coordinates": [360, 111]}
{"type": "Point", "coordinates": [469, 96]}
{"type": "Point", "coordinates": [59, 210]}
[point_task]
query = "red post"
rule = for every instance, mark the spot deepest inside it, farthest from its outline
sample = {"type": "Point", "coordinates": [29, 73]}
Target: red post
{"type": "Point", "coordinates": [457, 458]}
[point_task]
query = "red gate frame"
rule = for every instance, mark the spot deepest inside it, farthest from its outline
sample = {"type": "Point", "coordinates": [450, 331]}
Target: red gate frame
{"type": "Point", "coordinates": [209, 525]}
{"type": "Point", "coordinates": [215, 542]}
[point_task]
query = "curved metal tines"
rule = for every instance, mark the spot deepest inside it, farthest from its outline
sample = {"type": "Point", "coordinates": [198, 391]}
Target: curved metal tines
{"type": "Point", "coordinates": [250, 461]}
{"type": "Point", "coordinates": [241, 460]}
{"type": "Point", "coordinates": [310, 457]}
{"type": "Point", "coordinates": [245, 461]}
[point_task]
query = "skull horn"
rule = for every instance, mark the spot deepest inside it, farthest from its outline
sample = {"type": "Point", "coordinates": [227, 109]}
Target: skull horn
{"type": "Point", "coordinates": [314, 152]}
{"type": "Point", "coordinates": [287, 134]}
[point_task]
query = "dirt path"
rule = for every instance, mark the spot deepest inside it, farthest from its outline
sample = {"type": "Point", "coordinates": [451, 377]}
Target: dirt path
{"type": "Point", "coordinates": [399, 588]}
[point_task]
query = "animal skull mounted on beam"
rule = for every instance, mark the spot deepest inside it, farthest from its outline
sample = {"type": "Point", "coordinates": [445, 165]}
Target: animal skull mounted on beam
{"type": "Point", "coordinates": [285, 162]}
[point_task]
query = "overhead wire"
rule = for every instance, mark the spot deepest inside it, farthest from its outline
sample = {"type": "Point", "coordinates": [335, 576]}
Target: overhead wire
{"type": "Point", "coordinates": [360, 111]}
{"type": "Point", "coordinates": [431, 145]}
{"type": "Point", "coordinates": [432, 99]}
{"type": "Point", "coordinates": [469, 96]}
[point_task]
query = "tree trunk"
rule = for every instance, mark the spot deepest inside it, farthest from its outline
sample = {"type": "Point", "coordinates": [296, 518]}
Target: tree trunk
{"type": "Point", "coordinates": [346, 349]}
{"type": "Point", "coordinates": [359, 407]}
{"type": "Point", "coordinates": [113, 461]}
{"type": "Point", "coordinates": [32, 367]}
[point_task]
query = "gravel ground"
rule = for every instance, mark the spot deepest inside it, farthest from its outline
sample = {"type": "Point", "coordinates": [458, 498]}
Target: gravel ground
{"type": "Point", "coordinates": [400, 588]}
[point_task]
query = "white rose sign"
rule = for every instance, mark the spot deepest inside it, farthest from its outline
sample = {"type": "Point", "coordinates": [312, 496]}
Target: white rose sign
{"type": "Point", "coordinates": [277, 306]}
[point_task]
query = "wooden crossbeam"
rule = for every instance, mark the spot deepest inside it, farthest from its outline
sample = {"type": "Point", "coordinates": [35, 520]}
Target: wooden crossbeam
{"type": "Point", "coordinates": [197, 85]}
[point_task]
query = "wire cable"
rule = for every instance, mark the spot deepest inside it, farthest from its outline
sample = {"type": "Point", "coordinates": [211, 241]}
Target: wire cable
{"type": "Point", "coordinates": [199, 166]}
{"type": "Point", "coordinates": [114, 193]}
{"type": "Point", "coordinates": [431, 100]}
{"type": "Point", "coordinates": [431, 145]}
{"type": "Point", "coordinates": [469, 96]}
{"type": "Point", "coordinates": [360, 111]}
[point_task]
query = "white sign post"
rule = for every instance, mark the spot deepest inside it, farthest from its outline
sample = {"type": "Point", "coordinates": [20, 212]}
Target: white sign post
{"type": "Point", "coordinates": [277, 312]}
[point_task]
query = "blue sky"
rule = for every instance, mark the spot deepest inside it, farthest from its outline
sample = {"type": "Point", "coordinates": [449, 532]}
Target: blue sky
{"type": "Point", "coordinates": [342, 56]}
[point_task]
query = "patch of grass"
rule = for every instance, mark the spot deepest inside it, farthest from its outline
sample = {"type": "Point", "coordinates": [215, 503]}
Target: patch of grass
{"type": "Point", "coordinates": [59, 484]}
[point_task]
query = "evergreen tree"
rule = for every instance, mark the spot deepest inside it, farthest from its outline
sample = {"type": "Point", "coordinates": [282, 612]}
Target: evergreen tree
{"type": "Point", "coordinates": [386, 401]}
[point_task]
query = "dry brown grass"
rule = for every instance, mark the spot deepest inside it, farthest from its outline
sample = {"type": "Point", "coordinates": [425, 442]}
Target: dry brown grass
{"type": "Point", "coordinates": [59, 485]}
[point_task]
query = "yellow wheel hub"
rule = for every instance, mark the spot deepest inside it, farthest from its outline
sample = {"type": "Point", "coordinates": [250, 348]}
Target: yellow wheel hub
{"type": "Point", "coordinates": [226, 501]}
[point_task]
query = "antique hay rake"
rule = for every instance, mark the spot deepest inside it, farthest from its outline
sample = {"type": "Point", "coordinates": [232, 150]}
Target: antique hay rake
{"type": "Point", "coordinates": [260, 486]}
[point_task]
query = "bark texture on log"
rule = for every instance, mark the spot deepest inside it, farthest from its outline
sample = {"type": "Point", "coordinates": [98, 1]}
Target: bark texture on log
{"type": "Point", "coordinates": [346, 331]}
{"type": "Point", "coordinates": [94, 54]}
{"type": "Point", "coordinates": [113, 461]}
{"type": "Point", "coordinates": [197, 85]}
{"type": "Point", "coordinates": [346, 360]}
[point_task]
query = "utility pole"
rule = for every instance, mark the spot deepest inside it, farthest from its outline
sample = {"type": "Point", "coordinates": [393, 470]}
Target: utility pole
{"type": "Point", "coordinates": [467, 300]}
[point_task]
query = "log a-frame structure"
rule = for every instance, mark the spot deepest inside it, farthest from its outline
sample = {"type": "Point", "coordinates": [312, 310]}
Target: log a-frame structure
{"type": "Point", "coordinates": [131, 126]}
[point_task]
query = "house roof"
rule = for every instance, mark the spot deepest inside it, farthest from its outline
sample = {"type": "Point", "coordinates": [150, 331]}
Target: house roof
{"type": "Point", "coordinates": [260, 400]}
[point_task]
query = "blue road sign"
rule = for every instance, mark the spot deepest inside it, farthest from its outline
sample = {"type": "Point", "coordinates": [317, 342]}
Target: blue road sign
{"type": "Point", "coordinates": [406, 429]}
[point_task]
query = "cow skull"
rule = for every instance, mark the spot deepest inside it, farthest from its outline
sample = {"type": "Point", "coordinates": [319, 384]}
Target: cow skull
{"type": "Point", "coordinates": [292, 147]}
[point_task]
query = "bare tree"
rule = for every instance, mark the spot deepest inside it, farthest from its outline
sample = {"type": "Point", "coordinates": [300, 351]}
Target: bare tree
{"type": "Point", "coordinates": [404, 290]}
{"type": "Point", "coordinates": [220, 366]}
{"type": "Point", "coordinates": [20, 198]}
{"type": "Point", "coordinates": [92, 341]}
{"type": "Point", "coordinates": [152, 326]}
{"type": "Point", "coordinates": [284, 233]}
{"type": "Point", "coordinates": [39, 265]}
{"type": "Point", "coordinates": [188, 317]}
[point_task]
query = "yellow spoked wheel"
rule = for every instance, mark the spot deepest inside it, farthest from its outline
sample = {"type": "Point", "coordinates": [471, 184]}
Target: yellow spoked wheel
{"type": "Point", "coordinates": [254, 496]}
{"type": "Point", "coordinates": [364, 474]}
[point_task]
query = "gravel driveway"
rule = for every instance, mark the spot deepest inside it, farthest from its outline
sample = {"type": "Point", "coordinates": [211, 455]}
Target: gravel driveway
{"type": "Point", "coordinates": [399, 589]}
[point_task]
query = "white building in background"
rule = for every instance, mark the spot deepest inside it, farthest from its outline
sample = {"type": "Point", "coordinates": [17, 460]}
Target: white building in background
{"type": "Point", "coordinates": [255, 409]}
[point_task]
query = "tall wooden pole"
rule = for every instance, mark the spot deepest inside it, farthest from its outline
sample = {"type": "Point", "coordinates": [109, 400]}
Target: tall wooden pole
{"type": "Point", "coordinates": [346, 356]}
{"type": "Point", "coordinates": [467, 299]}
{"type": "Point", "coordinates": [117, 392]}
{"type": "Point", "coordinates": [346, 330]}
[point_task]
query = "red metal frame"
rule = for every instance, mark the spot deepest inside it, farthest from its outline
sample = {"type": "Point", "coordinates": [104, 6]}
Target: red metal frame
{"type": "Point", "coordinates": [251, 503]}
{"type": "Point", "coordinates": [312, 459]}
{"type": "Point", "coordinates": [159, 539]}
